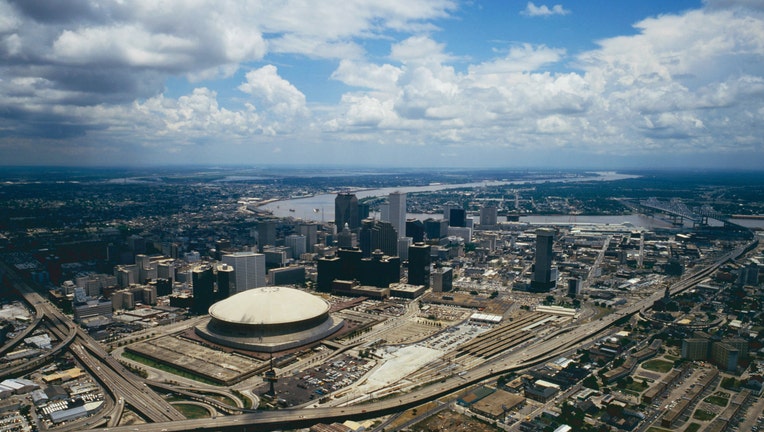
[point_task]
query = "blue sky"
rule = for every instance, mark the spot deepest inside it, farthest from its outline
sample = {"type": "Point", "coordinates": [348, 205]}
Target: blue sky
{"type": "Point", "coordinates": [394, 83]}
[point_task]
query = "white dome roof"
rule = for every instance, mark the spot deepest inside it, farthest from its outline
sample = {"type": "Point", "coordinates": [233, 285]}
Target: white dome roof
{"type": "Point", "coordinates": [269, 305]}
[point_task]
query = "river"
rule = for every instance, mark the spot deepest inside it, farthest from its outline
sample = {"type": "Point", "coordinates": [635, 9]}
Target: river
{"type": "Point", "coordinates": [321, 207]}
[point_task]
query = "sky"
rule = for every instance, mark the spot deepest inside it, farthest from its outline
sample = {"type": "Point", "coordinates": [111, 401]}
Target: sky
{"type": "Point", "coordinates": [389, 83]}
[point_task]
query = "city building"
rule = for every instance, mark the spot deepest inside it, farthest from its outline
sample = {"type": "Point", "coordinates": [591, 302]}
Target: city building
{"type": "Point", "coordinates": [310, 231]}
{"type": "Point", "coordinates": [397, 202]}
{"type": "Point", "coordinates": [489, 215]}
{"type": "Point", "coordinates": [574, 287]}
{"type": "Point", "coordinates": [406, 290]}
{"type": "Point", "coordinates": [541, 391]}
{"type": "Point", "coordinates": [203, 283]}
{"type": "Point", "coordinates": [226, 281]}
{"type": "Point", "coordinates": [95, 283]}
{"type": "Point", "coordinates": [457, 217]}
{"type": "Point", "coordinates": [379, 270]}
{"type": "Point", "coordinates": [346, 238]}
{"type": "Point", "coordinates": [276, 256]}
{"type": "Point", "coordinates": [269, 319]}
{"type": "Point", "coordinates": [346, 211]}
{"type": "Point", "coordinates": [403, 247]}
{"type": "Point", "coordinates": [725, 356]}
{"type": "Point", "coordinates": [415, 230]}
{"type": "Point", "coordinates": [443, 279]}
{"type": "Point", "coordinates": [544, 277]}
{"type": "Point", "coordinates": [249, 269]}
{"type": "Point", "coordinates": [266, 233]}
{"type": "Point", "coordinates": [461, 232]}
{"type": "Point", "coordinates": [695, 348]}
{"type": "Point", "coordinates": [436, 229]}
{"type": "Point", "coordinates": [327, 271]}
{"type": "Point", "coordinates": [92, 308]}
{"type": "Point", "coordinates": [378, 235]}
{"type": "Point", "coordinates": [294, 275]}
{"type": "Point", "coordinates": [447, 210]}
{"type": "Point", "coordinates": [297, 243]}
{"type": "Point", "coordinates": [419, 264]}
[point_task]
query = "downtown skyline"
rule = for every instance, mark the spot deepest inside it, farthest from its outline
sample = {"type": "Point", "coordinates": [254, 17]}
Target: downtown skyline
{"type": "Point", "coordinates": [568, 84]}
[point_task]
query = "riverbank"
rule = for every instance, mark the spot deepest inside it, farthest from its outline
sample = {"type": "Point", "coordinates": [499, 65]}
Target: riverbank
{"type": "Point", "coordinates": [321, 207]}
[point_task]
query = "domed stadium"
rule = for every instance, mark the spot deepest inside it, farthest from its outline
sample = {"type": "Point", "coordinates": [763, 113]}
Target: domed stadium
{"type": "Point", "coordinates": [269, 319]}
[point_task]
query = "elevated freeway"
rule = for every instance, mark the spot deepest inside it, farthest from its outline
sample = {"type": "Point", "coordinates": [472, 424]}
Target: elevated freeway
{"type": "Point", "coordinates": [555, 345]}
{"type": "Point", "coordinates": [124, 387]}
{"type": "Point", "coordinates": [127, 389]}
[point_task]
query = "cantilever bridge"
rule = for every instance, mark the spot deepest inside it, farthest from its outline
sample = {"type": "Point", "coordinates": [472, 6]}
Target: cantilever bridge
{"type": "Point", "coordinates": [678, 211]}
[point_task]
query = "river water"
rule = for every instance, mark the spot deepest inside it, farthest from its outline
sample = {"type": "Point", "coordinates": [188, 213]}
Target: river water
{"type": "Point", "coordinates": [320, 208]}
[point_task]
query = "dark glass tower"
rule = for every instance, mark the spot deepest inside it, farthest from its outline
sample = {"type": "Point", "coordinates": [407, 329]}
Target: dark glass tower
{"type": "Point", "coordinates": [419, 264]}
{"type": "Point", "coordinates": [203, 281]}
{"type": "Point", "coordinates": [542, 271]}
{"type": "Point", "coordinates": [457, 217]}
{"type": "Point", "coordinates": [346, 211]}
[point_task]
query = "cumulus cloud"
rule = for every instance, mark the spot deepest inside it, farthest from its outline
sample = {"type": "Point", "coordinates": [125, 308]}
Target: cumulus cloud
{"type": "Point", "coordinates": [669, 86]}
{"type": "Point", "coordinates": [532, 10]}
{"type": "Point", "coordinates": [95, 76]}
{"type": "Point", "coordinates": [276, 94]}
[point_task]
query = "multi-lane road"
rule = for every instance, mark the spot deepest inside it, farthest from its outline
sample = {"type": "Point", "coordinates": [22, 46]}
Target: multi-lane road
{"type": "Point", "coordinates": [123, 386]}
{"type": "Point", "coordinates": [134, 391]}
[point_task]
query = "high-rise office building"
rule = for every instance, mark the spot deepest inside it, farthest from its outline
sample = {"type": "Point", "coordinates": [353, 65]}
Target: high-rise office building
{"type": "Point", "coordinates": [166, 270]}
{"type": "Point", "coordinates": [384, 212]}
{"type": "Point", "coordinates": [294, 275]}
{"type": "Point", "coordinates": [380, 270]}
{"type": "Point", "coordinates": [544, 277]}
{"type": "Point", "coordinates": [266, 233]}
{"type": "Point", "coordinates": [346, 211]}
{"type": "Point", "coordinates": [297, 244]}
{"type": "Point", "coordinates": [435, 229]}
{"type": "Point", "coordinates": [403, 247]}
{"type": "Point", "coordinates": [147, 269]}
{"type": "Point", "coordinates": [310, 231]}
{"type": "Point", "coordinates": [489, 215]}
{"type": "Point", "coordinates": [249, 269]}
{"type": "Point", "coordinates": [378, 235]}
{"type": "Point", "coordinates": [203, 282]}
{"type": "Point", "coordinates": [415, 230]}
{"type": "Point", "coordinates": [397, 202]}
{"type": "Point", "coordinates": [226, 280]}
{"type": "Point", "coordinates": [457, 217]}
{"type": "Point", "coordinates": [574, 287]}
{"type": "Point", "coordinates": [419, 264]}
{"type": "Point", "coordinates": [328, 270]}
{"type": "Point", "coordinates": [442, 279]}
{"type": "Point", "coordinates": [163, 286]}
{"type": "Point", "coordinates": [363, 211]}
{"type": "Point", "coordinates": [350, 263]}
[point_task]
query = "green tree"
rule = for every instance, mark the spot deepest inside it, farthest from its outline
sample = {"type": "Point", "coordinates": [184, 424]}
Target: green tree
{"type": "Point", "coordinates": [591, 382]}
{"type": "Point", "coordinates": [572, 416]}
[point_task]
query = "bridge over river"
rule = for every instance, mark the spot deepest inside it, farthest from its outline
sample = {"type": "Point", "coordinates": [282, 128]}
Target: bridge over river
{"type": "Point", "coordinates": [678, 211]}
